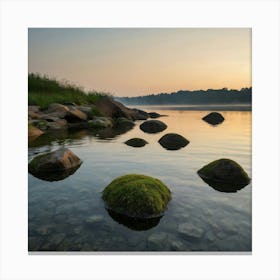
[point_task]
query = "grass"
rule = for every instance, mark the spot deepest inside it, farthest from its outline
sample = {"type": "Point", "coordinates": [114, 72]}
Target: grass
{"type": "Point", "coordinates": [43, 91]}
{"type": "Point", "coordinates": [137, 196]}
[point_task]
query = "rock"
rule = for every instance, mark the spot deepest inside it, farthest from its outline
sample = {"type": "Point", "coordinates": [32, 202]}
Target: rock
{"type": "Point", "coordinates": [41, 124]}
{"type": "Point", "coordinates": [157, 241]}
{"type": "Point", "coordinates": [74, 115]}
{"type": "Point", "coordinates": [154, 115]}
{"type": "Point", "coordinates": [85, 109]}
{"type": "Point", "coordinates": [34, 132]}
{"type": "Point", "coordinates": [100, 122]}
{"type": "Point", "coordinates": [136, 142]}
{"type": "Point", "coordinates": [153, 126]}
{"type": "Point", "coordinates": [224, 175]}
{"type": "Point", "coordinates": [124, 122]}
{"type": "Point", "coordinates": [140, 114]}
{"type": "Point", "coordinates": [213, 118]}
{"type": "Point", "coordinates": [92, 220]}
{"type": "Point", "coordinates": [59, 124]}
{"type": "Point", "coordinates": [190, 231]}
{"type": "Point", "coordinates": [55, 165]}
{"type": "Point", "coordinates": [33, 115]}
{"type": "Point", "coordinates": [173, 141]}
{"type": "Point", "coordinates": [137, 196]}
{"type": "Point", "coordinates": [59, 109]}
{"type": "Point", "coordinates": [113, 109]}
{"type": "Point", "coordinates": [79, 125]}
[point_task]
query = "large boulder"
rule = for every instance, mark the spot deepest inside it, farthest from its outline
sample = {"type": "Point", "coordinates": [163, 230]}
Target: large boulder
{"type": "Point", "coordinates": [60, 110]}
{"type": "Point", "coordinates": [140, 114]}
{"type": "Point", "coordinates": [137, 196]}
{"type": "Point", "coordinates": [213, 118]}
{"type": "Point", "coordinates": [58, 124]}
{"type": "Point", "coordinates": [173, 141]}
{"type": "Point", "coordinates": [136, 142]}
{"type": "Point", "coordinates": [113, 109]}
{"type": "Point", "coordinates": [153, 126]}
{"type": "Point", "coordinates": [55, 165]}
{"type": "Point", "coordinates": [74, 115]}
{"type": "Point", "coordinates": [224, 175]}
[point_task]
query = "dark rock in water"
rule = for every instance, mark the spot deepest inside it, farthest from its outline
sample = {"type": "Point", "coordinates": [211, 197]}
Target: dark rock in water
{"type": "Point", "coordinates": [136, 142]}
{"type": "Point", "coordinates": [153, 126]}
{"type": "Point", "coordinates": [173, 141]}
{"type": "Point", "coordinates": [54, 166]}
{"type": "Point", "coordinates": [137, 196]}
{"type": "Point", "coordinates": [124, 122]}
{"type": "Point", "coordinates": [113, 109]}
{"type": "Point", "coordinates": [154, 115]}
{"type": "Point", "coordinates": [213, 118]}
{"type": "Point", "coordinates": [224, 175]}
{"type": "Point", "coordinates": [139, 224]}
{"type": "Point", "coordinates": [140, 114]}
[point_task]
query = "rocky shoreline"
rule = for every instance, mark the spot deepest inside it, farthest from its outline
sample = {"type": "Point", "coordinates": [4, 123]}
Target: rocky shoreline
{"type": "Point", "coordinates": [105, 113]}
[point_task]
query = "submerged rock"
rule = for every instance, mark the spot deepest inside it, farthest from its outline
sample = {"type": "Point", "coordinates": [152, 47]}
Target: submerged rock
{"type": "Point", "coordinates": [213, 118]}
{"type": "Point", "coordinates": [137, 196]}
{"type": "Point", "coordinates": [55, 165]}
{"type": "Point", "coordinates": [224, 175]}
{"type": "Point", "coordinates": [173, 141]}
{"type": "Point", "coordinates": [136, 142]}
{"type": "Point", "coordinates": [153, 126]}
{"type": "Point", "coordinates": [190, 231]}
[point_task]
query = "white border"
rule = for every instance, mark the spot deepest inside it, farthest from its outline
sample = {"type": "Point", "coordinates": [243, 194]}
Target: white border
{"type": "Point", "coordinates": [262, 16]}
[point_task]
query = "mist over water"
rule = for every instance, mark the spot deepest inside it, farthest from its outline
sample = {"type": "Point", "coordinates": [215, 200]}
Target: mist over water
{"type": "Point", "coordinates": [69, 215]}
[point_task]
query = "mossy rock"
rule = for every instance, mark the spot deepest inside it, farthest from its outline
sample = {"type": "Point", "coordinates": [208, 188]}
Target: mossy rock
{"type": "Point", "coordinates": [173, 141]}
{"type": "Point", "coordinates": [214, 118]}
{"type": "Point", "coordinates": [138, 196]}
{"type": "Point", "coordinates": [124, 122]}
{"type": "Point", "coordinates": [136, 142]}
{"type": "Point", "coordinates": [224, 175]}
{"type": "Point", "coordinates": [153, 126]}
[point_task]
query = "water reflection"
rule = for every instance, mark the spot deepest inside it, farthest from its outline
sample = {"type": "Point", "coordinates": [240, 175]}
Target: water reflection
{"type": "Point", "coordinates": [138, 224]}
{"type": "Point", "coordinates": [226, 187]}
{"type": "Point", "coordinates": [55, 176]}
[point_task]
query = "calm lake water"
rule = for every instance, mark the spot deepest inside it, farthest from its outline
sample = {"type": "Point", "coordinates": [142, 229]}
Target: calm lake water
{"type": "Point", "coordinates": [69, 215]}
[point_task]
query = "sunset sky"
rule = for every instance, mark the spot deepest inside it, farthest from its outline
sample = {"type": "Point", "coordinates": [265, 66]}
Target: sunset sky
{"type": "Point", "coordinates": [133, 62]}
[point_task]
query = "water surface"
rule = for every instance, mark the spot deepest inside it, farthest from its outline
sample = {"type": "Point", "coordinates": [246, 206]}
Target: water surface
{"type": "Point", "coordinates": [69, 215]}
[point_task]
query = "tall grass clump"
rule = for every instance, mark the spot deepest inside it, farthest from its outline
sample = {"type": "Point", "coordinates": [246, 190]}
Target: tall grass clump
{"type": "Point", "coordinates": [43, 91]}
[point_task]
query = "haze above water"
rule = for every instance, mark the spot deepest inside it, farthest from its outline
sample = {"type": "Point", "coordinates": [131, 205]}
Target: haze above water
{"type": "Point", "coordinates": [69, 215]}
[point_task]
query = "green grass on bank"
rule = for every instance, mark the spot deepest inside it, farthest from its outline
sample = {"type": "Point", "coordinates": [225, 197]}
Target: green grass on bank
{"type": "Point", "coordinates": [43, 91]}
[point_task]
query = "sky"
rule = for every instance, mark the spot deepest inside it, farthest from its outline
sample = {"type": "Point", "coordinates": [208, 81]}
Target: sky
{"type": "Point", "coordinates": [141, 61]}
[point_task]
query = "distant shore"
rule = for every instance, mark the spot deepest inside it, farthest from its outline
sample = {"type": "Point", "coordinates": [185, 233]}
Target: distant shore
{"type": "Point", "coordinates": [199, 107]}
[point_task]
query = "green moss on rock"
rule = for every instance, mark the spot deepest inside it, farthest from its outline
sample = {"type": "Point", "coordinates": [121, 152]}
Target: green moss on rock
{"type": "Point", "coordinates": [137, 195]}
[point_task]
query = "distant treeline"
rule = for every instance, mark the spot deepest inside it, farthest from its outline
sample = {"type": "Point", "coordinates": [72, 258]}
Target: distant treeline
{"type": "Point", "coordinates": [210, 96]}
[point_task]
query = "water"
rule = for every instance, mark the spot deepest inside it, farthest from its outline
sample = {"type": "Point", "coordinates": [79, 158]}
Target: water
{"type": "Point", "coordinates": [69, 215]}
